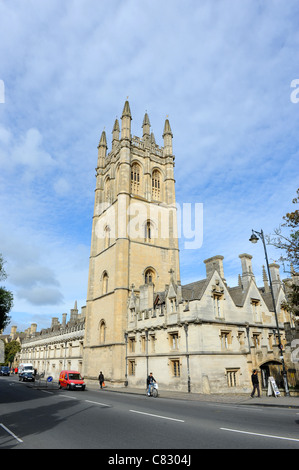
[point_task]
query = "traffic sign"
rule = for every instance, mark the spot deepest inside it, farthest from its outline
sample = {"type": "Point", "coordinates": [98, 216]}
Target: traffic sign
{"type": "Point", "coordinates": [49, 379]}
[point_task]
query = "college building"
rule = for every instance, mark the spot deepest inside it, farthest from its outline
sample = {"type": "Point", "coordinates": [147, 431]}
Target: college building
{"type": "Point", "coordinates": [204, 337]}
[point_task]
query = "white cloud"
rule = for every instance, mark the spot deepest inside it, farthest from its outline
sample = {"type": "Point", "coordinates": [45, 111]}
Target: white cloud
{"type": "Point", "coordinates": [62, 186]}
{"type": "Point", "coordinates": [41, 296]}
{"type": "Point", "coordinates": [29, 275]}
{"type": "Point", "coordinates": [222, 73]}
{"type": "Point", "coordinates": [24, 154]}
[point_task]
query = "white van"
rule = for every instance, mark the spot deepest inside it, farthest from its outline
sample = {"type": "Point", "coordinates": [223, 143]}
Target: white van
{"type": "Point", "coordinates": [26, 367]}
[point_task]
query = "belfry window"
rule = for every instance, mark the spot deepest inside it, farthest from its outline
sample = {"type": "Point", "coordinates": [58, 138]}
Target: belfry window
{"type": "Point", "coordinates": [156, 184]}
{"type": "Point", "coordinates": [108, 191]}
{"type": "Point", "coordinates": [135, 178]}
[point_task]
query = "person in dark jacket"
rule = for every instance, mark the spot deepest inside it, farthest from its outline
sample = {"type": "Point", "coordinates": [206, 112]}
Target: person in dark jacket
{"type": "Point", "coordinates": [150, 383]}
{"type": "Point", "coordinates": [101, 379]}
{"type": "Point", "coordinates": [255, 383]}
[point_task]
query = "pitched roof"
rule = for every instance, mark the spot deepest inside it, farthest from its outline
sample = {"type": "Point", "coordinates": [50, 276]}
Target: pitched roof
{"type": "Point", "coordinates": [194, 290]}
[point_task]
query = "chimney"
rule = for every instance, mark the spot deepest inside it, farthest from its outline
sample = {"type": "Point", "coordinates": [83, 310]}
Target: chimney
{"type": "Point", "coordinates": [54, 322]}
{"type": "Point", "coordinates": [13, 332]}
{"type": "Point", "coordinates": [74, 313]}
{"type": "Point", "coordinates": [33, 328]}
{"type": "Point", "coordinates": [247, 274]}
{"type": "Point", "coordinates": [64, 315]}
{"type": "Point", "coordinates": [146, 296]}
{"type": "Point", "coordinates": [276, 282]}
{"type": "Point", "coordinates": [215, 264]}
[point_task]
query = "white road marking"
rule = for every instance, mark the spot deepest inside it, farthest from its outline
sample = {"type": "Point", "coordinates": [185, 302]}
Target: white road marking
{"type": "Point", "coordinates": [10, 432]}
{"type": "Point", "coordinates": [258, 434]}
{"type": "Point", "coordinates": [97, 403]}
{"type": "Point", "coordinates": [157, 416]}
{"type": "Point", "coordinates": [67, 396]}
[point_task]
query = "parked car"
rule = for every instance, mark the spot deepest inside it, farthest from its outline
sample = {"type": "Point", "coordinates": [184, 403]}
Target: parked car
{"type": "Point", "coordinates": [26, 377]}
{"type": "Point", "coordinates": [71, 380]}
{"type": "Point", "coordinates": [4, 370]}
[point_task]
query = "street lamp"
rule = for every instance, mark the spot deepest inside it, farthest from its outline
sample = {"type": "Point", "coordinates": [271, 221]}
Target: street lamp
{"type": "Point", "coordinates": [126, 342]}
{"type": "Point", "coordinates": [187, 354]}
{"type": "Point", "coordinates": [254, 239]}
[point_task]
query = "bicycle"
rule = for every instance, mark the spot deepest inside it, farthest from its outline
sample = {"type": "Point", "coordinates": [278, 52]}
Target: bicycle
{"type": "Point", "coordinates": [153, 390]}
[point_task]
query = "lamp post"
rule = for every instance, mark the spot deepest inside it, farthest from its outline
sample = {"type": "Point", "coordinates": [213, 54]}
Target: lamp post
{"type": "Point", "coordinates": [146, 350]}
{"type": "Point", "coordinates": [187, 355]}
{"type": "Point", "coordinates": [254, 239]}
{"type": "Point", "coordinates": [126, 374]}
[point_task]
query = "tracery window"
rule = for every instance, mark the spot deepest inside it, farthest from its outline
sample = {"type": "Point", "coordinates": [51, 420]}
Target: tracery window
{"type": "Point", "coordinates": [135, 178]}
{"type": "Point", "coordinates": [149, 276]}
{"type": "Point", "coordinates": [156, 185]}
{"type": "Point", "coordinates": [108, 190]}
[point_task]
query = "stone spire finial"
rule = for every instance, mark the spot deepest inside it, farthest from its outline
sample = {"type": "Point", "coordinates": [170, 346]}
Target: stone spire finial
{"type": "Point", "coordinates": [146, 126]}
{"type": "Point", "coordinates": [126, 122]}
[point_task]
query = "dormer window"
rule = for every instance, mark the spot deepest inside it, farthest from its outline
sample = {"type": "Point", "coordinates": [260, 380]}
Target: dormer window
{"type": "Point", "coordinates": [255, 304]}
{"type": "Point", "coordinates": [132, 310]}
{"type": "Point", "coordinates": [217, 304]}
{"type": "Point", "coordinates": [217, 294]}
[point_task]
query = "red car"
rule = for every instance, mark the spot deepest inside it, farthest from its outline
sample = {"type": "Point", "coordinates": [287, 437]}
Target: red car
{"type": "Point", "coordinates": [71, 380]}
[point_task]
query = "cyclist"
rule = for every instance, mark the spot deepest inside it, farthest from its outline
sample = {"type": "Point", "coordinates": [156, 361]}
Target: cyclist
{"type": "Point", "coordinates": [150, 383]}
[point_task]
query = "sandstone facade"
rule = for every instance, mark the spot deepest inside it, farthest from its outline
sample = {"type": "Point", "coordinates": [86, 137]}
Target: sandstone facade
{"type": "Point", "coordinates": [204, 337]}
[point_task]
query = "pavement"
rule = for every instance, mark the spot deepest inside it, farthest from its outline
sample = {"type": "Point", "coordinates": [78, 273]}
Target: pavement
{"type": "Point", "coordinates": [238, 399]}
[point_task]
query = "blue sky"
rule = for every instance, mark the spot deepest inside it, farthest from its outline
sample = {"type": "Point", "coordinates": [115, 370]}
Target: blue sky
{"type": "Point", "coordinates": [222, 72]}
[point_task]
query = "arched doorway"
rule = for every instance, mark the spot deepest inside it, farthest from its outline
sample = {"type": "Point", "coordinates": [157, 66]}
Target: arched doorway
{"type": "Point", "coordinates": [271, 369]}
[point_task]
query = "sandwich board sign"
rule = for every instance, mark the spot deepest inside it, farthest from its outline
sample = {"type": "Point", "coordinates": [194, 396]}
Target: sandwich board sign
{"type": "Point", "coordinates": [272, 387]}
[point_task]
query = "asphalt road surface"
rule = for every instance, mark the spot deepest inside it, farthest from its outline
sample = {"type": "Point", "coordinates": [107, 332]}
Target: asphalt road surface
{"type": "Point", "coordinates": [95, 419]}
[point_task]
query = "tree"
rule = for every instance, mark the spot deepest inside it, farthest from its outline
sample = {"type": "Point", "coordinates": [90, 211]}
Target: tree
{"type": "Point", "coordinates": [11, 349]}
{"type": "Point", "coordinates": [6, 299]}
{"type": "Point", "coordinates": [287, 239]}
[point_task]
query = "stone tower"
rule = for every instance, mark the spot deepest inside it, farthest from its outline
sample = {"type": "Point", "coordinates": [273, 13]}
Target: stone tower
{"type": "Point", "coordinates": [134, 238]}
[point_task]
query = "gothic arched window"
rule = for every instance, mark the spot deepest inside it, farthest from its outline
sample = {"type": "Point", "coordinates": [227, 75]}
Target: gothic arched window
{"type": "Point", "coordinates": [102, 332]}
{"type": "Point", "coordinates": [149, 276]}
{"type": "Point", "coordinates": [156, 184]}
{"type": "Point", "coordinates": [148, 231]}
{"type": "Point", "coordinates": [135, 178]}
{"type": "Point", "coordinates": [107, 236]}
{"type": "Point", "coordinates": [108, 190]}
{"type": "Point", "coordinates": [105, 279]}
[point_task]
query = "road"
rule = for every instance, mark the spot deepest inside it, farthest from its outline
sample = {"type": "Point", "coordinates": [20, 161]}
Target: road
{"type": "Point", "coordinates": [94, 419]}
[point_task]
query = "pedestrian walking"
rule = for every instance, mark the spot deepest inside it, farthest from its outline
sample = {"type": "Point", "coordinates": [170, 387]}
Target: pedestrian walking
{"type": "Point", "coordinates": [101, 379]}
{"type": "Point", "coordinates": [255, 384]}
